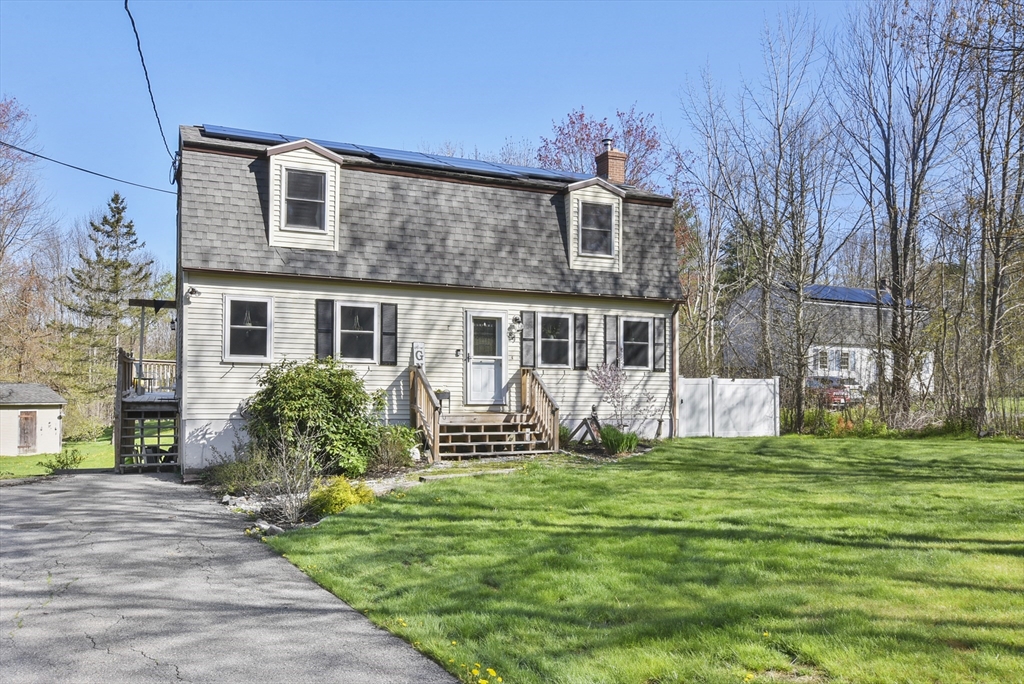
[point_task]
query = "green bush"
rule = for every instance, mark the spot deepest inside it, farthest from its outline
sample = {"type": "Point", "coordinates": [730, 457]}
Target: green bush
{"type": "Point", "coordinates": [237, 478]}
{"type": "Point", "coordinates": [392, 450]}
{"type": "Point", "coordinates": [617, 442]}
{"type": "Point", "coordinates": [332, 496]}
{"type": "Point", "coordinates": [66, 460]}
{"type": "Point", "coordinates": [563, 436]}
{"type": "Point", "coordinates": [323, 398]}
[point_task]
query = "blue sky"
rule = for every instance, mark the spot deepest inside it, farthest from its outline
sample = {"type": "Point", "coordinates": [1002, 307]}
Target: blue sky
{"type": "Point", "coordinates": [400, 75]}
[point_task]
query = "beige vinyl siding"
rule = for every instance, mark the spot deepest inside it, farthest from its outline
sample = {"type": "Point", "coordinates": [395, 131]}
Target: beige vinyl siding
{"type": "Point", "coordinates": [213, 389]}
{"type": "Point", "coordinates": [304, 160]}
{"type": "Point", "coordinates": [589, 262]}
{"type": "Point", "coordinates": [49, 430]}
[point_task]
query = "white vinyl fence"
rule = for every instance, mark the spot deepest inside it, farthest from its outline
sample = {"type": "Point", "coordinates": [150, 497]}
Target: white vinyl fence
{"type": "Point", "coordinates": [724, 407]}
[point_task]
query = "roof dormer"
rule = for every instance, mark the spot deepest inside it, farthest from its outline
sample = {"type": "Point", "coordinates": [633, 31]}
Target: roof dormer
{"type": "Point", "coordinates": [304, 189]}
{"type": "Point", "coordinates": [593, 210]}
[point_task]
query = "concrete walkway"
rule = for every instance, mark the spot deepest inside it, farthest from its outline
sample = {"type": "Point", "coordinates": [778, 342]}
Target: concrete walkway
{"type": "Point", "coordinates": [135, 578]}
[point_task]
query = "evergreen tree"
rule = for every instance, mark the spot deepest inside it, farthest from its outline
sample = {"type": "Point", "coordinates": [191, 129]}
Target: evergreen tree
{"type": "Point", "coordinates": [105, 279]}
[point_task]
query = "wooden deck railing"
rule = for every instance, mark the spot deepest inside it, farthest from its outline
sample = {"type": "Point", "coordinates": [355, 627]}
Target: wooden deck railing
{"type": "Point", "coordinates": [425, 410]}
{"type": "Point", "coordinates": [145, 375]}
{"type": "Point", "coordinates": [541, 406]}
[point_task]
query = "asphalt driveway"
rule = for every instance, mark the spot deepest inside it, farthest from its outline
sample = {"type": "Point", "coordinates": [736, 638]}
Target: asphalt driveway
{"type": "Point", "coordinates": [135, 578]}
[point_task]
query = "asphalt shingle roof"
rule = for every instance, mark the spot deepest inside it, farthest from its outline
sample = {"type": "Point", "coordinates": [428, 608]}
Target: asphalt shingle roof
{"type": "Point", "coordinates": [28, 393]}
{"type": "Point", "coordinates": [423, 227]}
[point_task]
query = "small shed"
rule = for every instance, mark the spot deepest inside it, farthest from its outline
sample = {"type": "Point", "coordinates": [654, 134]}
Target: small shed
{"type": "Point", "coordinates": [31, 419]}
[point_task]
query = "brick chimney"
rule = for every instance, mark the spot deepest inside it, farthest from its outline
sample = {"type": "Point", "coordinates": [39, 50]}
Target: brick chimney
{"type": "Point", "coordinates": [611, 164]}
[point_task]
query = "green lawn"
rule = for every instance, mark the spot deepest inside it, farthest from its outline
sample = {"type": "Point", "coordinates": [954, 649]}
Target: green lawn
{"type": "Point", "coordinates": [771, 560]}
{"type": "Point", "coordinates": [98, 454]}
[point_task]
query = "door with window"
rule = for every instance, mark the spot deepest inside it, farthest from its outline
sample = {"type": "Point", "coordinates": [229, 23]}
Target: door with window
{"type": "Point", "coordinates": [485, 357]}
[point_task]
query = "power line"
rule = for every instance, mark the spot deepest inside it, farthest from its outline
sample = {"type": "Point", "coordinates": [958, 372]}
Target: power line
{"type": "Point", "coordinates": [138, 43]}
{"type": "Point", "coordinates": [79, 168]}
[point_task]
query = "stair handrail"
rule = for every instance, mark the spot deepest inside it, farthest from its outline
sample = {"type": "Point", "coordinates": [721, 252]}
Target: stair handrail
{"type": "Point", "coordinates": [425, 410]}
{"type": "Point", "coordinates": [538, 402]}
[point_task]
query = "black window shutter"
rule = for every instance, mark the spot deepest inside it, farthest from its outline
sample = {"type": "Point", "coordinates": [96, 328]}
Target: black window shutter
{"type": "Point", "coordinates": [324, 328]}
{"type": "Point", "coordinates": [659, 344]}
{"type": "Point", "coordinates": [611, 340]}
{"type": "Point", "coordinates": [580, 360]}
{"type": "Point", "coordinates": [528, 340]}
{"type": "Point", "coordinates": [389, 334]}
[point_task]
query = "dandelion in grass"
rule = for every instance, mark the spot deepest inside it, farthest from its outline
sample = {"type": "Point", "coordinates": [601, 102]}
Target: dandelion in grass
{"type": "Point", "coordinates": [491, 672]}
{"type": "Point", "coordinates": [767, 634]}
{"type": "Point", "coordinates": [454, 643]}
{"type": "Point", "coordinates": [482, 681]}
{"type": "Point", "coordinates": [475, 672]}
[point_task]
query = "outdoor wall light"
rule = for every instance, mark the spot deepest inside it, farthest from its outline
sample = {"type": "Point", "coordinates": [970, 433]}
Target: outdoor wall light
{"type": "Point", "coordinates": [515, 327]}
{"type": "Point", "coordinates": [192, 292]}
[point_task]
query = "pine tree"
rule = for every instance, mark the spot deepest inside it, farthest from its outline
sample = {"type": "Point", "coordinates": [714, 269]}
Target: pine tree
{"type": "Point", "coordinates": [101, 285]}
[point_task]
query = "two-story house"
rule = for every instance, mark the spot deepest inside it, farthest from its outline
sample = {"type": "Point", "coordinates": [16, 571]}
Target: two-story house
{"type": "Point", "coordinates": [496, 287]}
{"type": "Point", "coordinates": [842, 327]}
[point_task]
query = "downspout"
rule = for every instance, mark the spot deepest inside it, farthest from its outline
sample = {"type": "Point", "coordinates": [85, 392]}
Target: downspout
{"type": "Point", "coordinates": [673, 391]}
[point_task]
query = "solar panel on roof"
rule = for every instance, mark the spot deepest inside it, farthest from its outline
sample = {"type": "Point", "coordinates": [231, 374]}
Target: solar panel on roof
{"type": "Point", "coordinates": [403, 157]}
{"type": "Point", "coordinates": [399, 156]}
{"type": "Point", "coordinates": [476, 165]}
{"type": "Point", "coordinates": [546, 174]}
{"type": "Point", "coordinates": [243, 135]}
{"type": "Point", "coordinates": [341, 148]}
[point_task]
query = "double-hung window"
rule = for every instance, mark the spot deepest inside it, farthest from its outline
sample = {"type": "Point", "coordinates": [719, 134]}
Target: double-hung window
{"type": "Point", "coordinates": [304, 199]}
{"type": "Point", "coordinates": [555, 340]}
{"type": "Point", "coordinates": [636, 342]}
{"type": "Point", "coordinates": [596, 234]}
{"type": "Point", "coordinates": [823, 359]}
{"type": "Point", "coordinates": [358, 332]}
{"type": "Point", "coordinates": [248, 333]}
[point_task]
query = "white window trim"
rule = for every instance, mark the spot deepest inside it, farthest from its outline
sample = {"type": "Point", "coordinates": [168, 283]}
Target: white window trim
{"type": "Point", "coordinates": [650, 341]}
{"type": "Point", "coordinates": [227, 356]}
{"type": "Point", "coordinates": [539, 340]}
{"type": "Point", "coordinates": [376, 331]}
{"type": "Point", "coordinates": [285, 168]}
{"type": "Point", "coordinates": [616, 207]}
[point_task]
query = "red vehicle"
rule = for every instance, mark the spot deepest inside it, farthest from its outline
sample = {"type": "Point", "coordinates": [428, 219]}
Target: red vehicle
{"type": "Point", "coordinates": [827, 391]}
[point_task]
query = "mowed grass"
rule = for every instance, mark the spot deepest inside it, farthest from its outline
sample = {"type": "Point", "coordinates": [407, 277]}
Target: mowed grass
{"type": "Point", "coordinates": [766, 560]}
{"type": "Point", "coordinates": [98, 454]}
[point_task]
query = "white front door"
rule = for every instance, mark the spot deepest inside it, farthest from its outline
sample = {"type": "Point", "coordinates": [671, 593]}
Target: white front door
{"type": "Point", "coordinates": [485, 357]}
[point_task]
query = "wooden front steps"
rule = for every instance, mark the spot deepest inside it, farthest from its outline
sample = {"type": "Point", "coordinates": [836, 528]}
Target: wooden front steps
{"type": "Point", "coordinates": [478, 435]}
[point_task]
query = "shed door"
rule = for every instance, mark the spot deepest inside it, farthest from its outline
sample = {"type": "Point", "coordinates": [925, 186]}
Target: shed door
{"type": "Point", "coordinates": [27, 432]}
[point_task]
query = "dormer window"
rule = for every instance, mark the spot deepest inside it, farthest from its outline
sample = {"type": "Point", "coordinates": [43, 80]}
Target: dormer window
{"type": "Point", "coordinates": [305, 184]}
{"type": "Point", "coordinates": [594, 218]}
{"type": "Point", "coordinates": [304, 200]}
{"type": "Point", "coordinates": [596, 236]}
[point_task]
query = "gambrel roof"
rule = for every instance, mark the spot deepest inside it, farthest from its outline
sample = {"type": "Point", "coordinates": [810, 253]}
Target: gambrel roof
{"type": "Point", "coordinates": [409, 223]}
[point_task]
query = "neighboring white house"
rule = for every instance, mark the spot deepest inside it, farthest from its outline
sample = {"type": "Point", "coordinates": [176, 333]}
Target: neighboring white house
{"type": "Point", "coordinates": [31, 419]}
{"type": "Point", "coordinates": [511, 281]}
{"type": "Point", "coordinates": [842, 325]}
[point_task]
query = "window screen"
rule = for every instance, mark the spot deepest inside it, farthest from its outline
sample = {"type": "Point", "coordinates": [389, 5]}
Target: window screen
{"type": "Point", "coordinates": [596, 228]}
{"type": "Point", "coordinates": [356, 332]}
{"type": "Point", "coordinates": [248, 328]}
{"type": "Point", "coordinates": [304, 199]}
{"type": "Point", "coordinates": [554, 340]}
